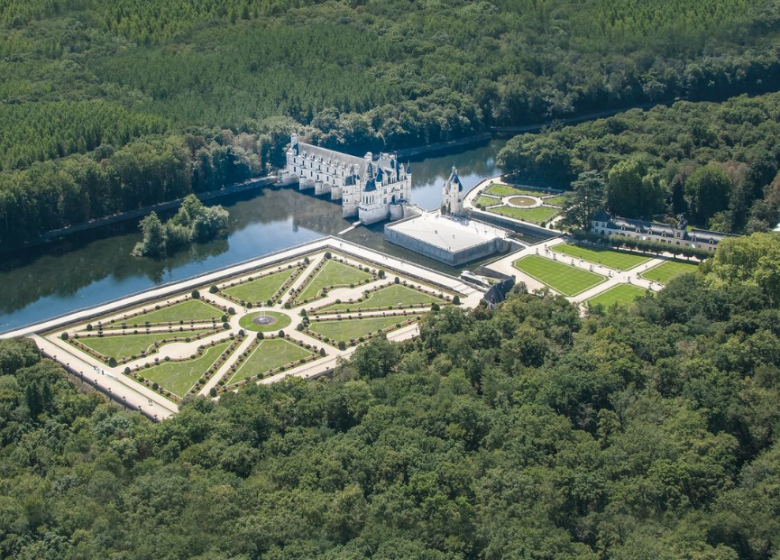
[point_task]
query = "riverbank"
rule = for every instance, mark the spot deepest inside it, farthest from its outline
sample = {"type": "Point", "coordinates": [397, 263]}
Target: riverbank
{"type": "Point", "coordinates": [250, 184]}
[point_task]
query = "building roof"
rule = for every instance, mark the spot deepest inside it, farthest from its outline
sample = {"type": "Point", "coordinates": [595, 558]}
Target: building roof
{"type": "Point", "coordinates": [446, 233]}
{"type": "Point", "coordinates": [658, 228]}
{"type": "Point", "coordinates": [499, 291]}
{"type": "Point", "coordinates": [454, 181]}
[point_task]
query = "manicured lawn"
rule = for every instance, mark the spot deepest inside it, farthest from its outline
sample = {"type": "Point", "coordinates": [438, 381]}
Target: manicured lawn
{"type": "Point", "coordinates": [506, 190]}
{"type": "Point", "coordinates": [260, 290]}
{"type": "Point", "coordinates": [353, 328]}
{"type": "Point", "coordinates": [390, 296]}
{"type": "Point", "coordinates": [128, 345]}
{"type": "Point", "coordinates": [621, 294]}
{"type": "Point", "coordinates": [180, 377]}
{"type": "Point", "coordinates": [486, 201]}
{"type": "Point", "coordinates": [268, 355]}
{"type": "Point", "coordinates": [189, 310]}
{"type": "Point", "coordinates": [668, 270]}
{"type": "Point", "coordinates": [562, 278]}
{"type": "Point", "coordinates": [535, 215]}
{"type": "Point", "coordinates": [332, 274]}
{"type": "Point", "coordinates": [619, 260]}
{"type": "Point", "coordinates": [555, 200]}
{"type": "Point", "coordinates": [282, 321]}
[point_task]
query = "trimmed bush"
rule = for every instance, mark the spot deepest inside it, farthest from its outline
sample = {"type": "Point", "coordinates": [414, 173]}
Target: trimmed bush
{"type": "Point", "coordinates": [64, 336]}
{"type": "Point", "coordinates": [213, 289]}
{"type": "Point", "coordinates": [195, 294]}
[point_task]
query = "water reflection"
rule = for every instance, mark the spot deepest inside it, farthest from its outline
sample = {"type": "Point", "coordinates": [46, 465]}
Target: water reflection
{"type": "Point", "coordinates": [93, 267]}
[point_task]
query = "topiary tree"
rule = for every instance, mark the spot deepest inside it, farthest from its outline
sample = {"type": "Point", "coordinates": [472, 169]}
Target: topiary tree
{"type": "Point", "coordinates": [89, 326]}
{"type": "Point", "coordinates": [397, 280]}
{"type": "Point", "coordinates": [112, 362]}
{"type": "Point", "coordinates": [213, 392]}
{"type": "Point", "coordinates": [64, 336]}
{"type": "Point", "coordinates": [456, 300]}
{"type": "Point", "coordinates": [195, 294]}
{"type": "Point", "coordinates": [260, 336]}
{"type": "Point", "coordinates": [213, 289]}
{"type": "Point", "coordinates": [322, 352]}
{"type": "Point", "coordinates": [281, 334]}
{"type": "Point", "coordinates": [342, 345]}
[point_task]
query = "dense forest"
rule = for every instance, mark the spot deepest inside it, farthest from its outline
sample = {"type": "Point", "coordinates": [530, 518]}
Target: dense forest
{"type": "Point", "coordinates": [648, 432]}
{"type": "Point", "coordinates": [717, 163]}
{"type": "Point", "coordinates": [80, 78]}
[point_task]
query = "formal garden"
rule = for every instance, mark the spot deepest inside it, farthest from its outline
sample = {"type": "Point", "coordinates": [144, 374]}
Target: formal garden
{"type": "Point", "coordinates": [254, 324]}
{"type": "Point", "coordinates": [611, 258]}
{"type": "Point", "coordinates": [563, 278]}
{"type": "Point", "coordinates": [667, 270]}
{"type": "Point", "coordinates": [621, 294]}
{"type": "Point", "coordinates": [529, 205]}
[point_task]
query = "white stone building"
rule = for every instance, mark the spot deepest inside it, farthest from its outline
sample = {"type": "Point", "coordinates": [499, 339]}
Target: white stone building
{"type": "Point", "coordinates": [453, 195]}
{"type": "Point", "coordinates": [373, 190]}
{"type": "Point", "coordinates": [681, 235]}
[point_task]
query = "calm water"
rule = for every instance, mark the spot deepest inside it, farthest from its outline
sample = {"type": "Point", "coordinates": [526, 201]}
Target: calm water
{"type": "Point", "coordinates": [94, 267]}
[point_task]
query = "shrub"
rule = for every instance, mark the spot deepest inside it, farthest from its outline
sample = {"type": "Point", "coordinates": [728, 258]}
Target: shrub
{"type": "Point", "coordinates": [224, 318]}
{"type": "Point", "coordinates": [306, 260]}
{"type": "Point", "coordinates": [213, 289]}
{"type": "Point", "coordinates": [456, 300]}
{"type": "Point", "coordinates": [226, 325]}
{"type": "Point", "coordinates": [435, 307]}
{"type": "Point", "coordinates": [299, 328]}
{"type": "Point", "coordinates": [381, 273]}
{"type": "Point", "coordinates": [64, 336]}
{"type": "Point", "coordinates": [89, 326]}
{"type": "Point", "coordinates": [127, 371]}
{"type": "Point", "coordinates": [241, 332]}
{"type": "Point", "coordinates": [155, 386]}
{"type": "Point", "coordinates": [231, 311]}
{"type": "Point", "coordinates": [397, 280]}
{"type": "Point", "coordinates": [281, 334]}
{"type": "Point", "coordinates": [322, 352]}
{"type": "Point", "coordinates": [195, 294]}
{"type": "Point", "coordinates": [112, 362]}
{"type": "Point", "coordinates": [328, 255]}
{"type": "Point", "coordinates": [213, 392]}
{"type": "Point", "coordinates": [342, 345]}
{"type": "Point", "coordinates": [260, 336]}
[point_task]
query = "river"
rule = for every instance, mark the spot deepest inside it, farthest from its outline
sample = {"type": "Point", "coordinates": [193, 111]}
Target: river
{"type": "Point", "coordinates": [89, 268]}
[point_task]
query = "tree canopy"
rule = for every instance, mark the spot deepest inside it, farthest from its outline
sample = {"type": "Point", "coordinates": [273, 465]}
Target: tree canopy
{"type": "Point", "coordinates": [525, 432]}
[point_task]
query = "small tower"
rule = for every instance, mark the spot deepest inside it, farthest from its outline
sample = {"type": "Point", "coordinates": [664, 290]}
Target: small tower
{"type": "Point", "coordinates": [452, 199]}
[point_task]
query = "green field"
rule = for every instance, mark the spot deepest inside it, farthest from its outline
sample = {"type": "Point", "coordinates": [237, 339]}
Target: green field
{"type": "Point", "coordinates": [353, 328]}
{"type": "Point", "coordinates": [282, 321]}
{"type": "Point", "coordinates": [189, 310]}
{"type": "Point", "coordinates": [619, 260]}
{"type": "Point", "coordinates": [562, 278]}
{"type": "Point", "coordinates": [506, 190]}
{"type": "Point", "coordinates": [486, 201]}
{"type": "Point", "coordinates": [268, 355]}
{"type": "Point", "coordinates": [332, 274]}
{"type": "Point", "coordinates": [535, 215]}
{"type": "Point", "coordinates": [180, 377]}
{"type": "Point", "coordinates": [386, 297]}
{"type": "Point", "coordinates": [260, 290]}
{"type": "Point", "coordinates": [668, 270]}
{"type": "Point", "coordinates": [128, 345]}
{"type": "Point", "coordinates": [555, 200]}
{"type": "Point", "coordinates": [621, 294]}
